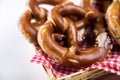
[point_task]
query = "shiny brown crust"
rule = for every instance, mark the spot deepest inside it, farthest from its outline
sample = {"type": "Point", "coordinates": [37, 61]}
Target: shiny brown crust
{"type": "Point", "coordinates": [113, 20]}
{"type": "Point", "coordinates": [72, 56]}
{"type": "Point", "coordinates": [52, 48]}
{"type": "Point", "coordinates": [87, 5]}
{"type": "Point", "coordinates": [66, 9]}
{"type": "Point", "coordinates": [59, 12]}
{"type": "Point", "coordinates": [36, 14]}
{"type": "Point", "coordinates": [27, 28]}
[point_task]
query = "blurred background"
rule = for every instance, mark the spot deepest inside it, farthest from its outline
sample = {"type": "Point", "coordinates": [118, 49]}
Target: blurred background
{"type": "Point", "coordinates": [15, 51]}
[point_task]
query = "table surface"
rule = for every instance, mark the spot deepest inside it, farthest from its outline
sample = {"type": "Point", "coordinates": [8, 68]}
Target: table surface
{"type": "Point", "coordinates": [15, 50]}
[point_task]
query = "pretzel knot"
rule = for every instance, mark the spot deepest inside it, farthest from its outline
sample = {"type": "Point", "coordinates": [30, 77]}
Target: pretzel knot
{"type": "Point", "coordinates": [70, 54]}
{"type": "Point", "coordinates": [34, 17]}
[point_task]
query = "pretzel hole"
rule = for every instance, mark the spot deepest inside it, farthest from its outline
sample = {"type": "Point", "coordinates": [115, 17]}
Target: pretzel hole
{"type": "Point", "coordinates": [80, 34]}
{"type": "Point", "coordinates": [73, 60]}
{"type": "Point", "coordinates": [59, 38]}
{"type": "Point", "coordinates": [73, 17]}
{"type": "Point", "coordinates": [36, 24]}
{"type": "Point", "coordinates": [46, 6]}
{"type": "Point", "coordinates": [33, 21]}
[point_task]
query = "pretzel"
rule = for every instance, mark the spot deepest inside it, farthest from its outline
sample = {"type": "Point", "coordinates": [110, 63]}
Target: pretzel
{"type": "Point", "coordinates": [112, 18]}
{"type": "Point", "coordinates": [28, 28]}
{"type": "Point", "coordinates": [61, 10]}
{"type": "Point", "coordinates": [49, 45]}
{"type": "Point", "coordinates": [70, 54]}
{"type": "Point", "coordinates": [69, 8]}
{"type": "Point", "coordinates": [33, 18]}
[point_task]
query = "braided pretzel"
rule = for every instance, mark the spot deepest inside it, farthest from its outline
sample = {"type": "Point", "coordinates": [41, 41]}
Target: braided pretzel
{"type": "Point", "coordinates": [70, 55]}
{"type": "Point", "coordinates": [112, 17]}
{"type": "Point", "coordinates": [29, 29]}
{"type": "Point", "coordinates": [70, 9]}
{"type": "Point", "coordinates": [59, 12]}
{"type": "Point", "coordinates": [49, 45]}
{"type": "Point", "coordinates": [32, 19]}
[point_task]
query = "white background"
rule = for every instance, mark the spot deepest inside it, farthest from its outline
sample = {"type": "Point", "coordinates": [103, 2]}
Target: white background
{"type": "Point", "coordinates": [15, 51]}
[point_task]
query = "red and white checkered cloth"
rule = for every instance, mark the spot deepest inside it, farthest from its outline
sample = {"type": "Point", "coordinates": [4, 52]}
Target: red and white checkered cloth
{"type": "Point", "coordinates": [111, 64]}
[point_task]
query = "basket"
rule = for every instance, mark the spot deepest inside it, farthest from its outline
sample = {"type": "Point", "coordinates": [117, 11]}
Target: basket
{"type": "Point", "coordinates": [94, 74]}
{"type": "Point", "coordinates": [89, 73]}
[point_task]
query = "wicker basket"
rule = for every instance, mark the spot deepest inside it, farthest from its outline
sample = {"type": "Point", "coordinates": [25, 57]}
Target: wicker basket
{"type": "Point", "coordinates": [87, 75]}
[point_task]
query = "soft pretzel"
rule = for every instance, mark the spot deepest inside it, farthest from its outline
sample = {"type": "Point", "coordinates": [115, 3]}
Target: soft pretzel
{"type": "Point", "coordinates": [60, 11]}
{"type": "Point", "coordinates": [28, 28]}
{"type": "Point", "coordinates": [49, 45]}
{"type": "Point", "coordinates": [113, 20]}
{"type": "Point", "coordinates": [70, 55]}
{"type": "Point", "coordinates": [33, 18]}
{"type": "Point", "coordinates": [65, 9]}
